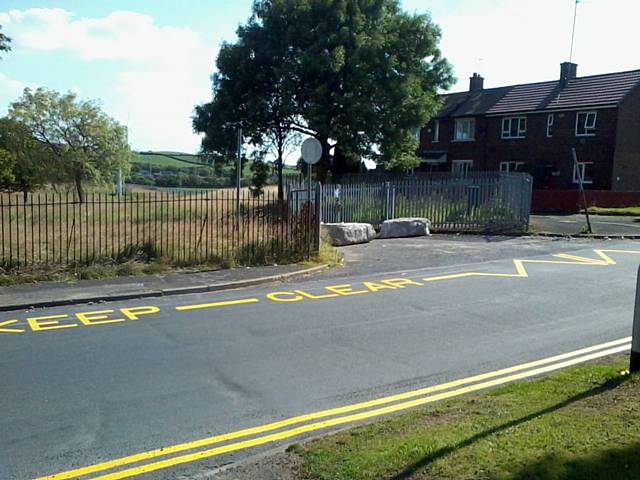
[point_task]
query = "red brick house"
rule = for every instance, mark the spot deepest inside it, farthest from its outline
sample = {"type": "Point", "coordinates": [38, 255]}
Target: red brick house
{"type": "Point", "coordinates": [533, 128]}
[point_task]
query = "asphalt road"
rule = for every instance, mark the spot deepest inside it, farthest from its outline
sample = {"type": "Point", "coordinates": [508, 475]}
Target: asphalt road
{"type": "Point", "coordinates": [613, 225]}
{"type": "Point", "coordinates": [92, 383]}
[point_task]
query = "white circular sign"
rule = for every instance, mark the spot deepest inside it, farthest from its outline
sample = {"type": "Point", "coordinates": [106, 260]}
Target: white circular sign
{"type": "Point", "coordinates": [311, 151]}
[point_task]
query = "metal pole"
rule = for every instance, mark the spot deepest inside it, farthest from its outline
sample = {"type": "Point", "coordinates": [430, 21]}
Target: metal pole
{"type": "Point", "coordinates": [634, 363]}
{"type": "Point", "coordinates": [581, 180]}
{"type": "Point", "coordinates": [119, 183]}
{"type": "Point", "coordinates": [238, 177]}
{"type": "Point", "coordinates": [309, 211]}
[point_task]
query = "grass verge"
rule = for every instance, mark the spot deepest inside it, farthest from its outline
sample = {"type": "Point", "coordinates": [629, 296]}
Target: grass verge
{"type": "Point", "coordinates": [626, 211]}
{"type": "Point", "coordinates": [581, 423]}
{"type": "Point", "coordinates": [136, 263]}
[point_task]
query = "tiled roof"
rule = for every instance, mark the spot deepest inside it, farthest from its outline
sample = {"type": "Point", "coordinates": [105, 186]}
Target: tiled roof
{"type": "Point", "coordinates": [592, 91]}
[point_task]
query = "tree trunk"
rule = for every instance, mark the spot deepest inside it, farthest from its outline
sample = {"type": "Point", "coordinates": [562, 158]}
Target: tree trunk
{"type": "Point", "coordinates": [79, 187]}
{"type": "Point", "coordinates": [279, 166]}
{"type": "Point", "coordinates": [25, 195]}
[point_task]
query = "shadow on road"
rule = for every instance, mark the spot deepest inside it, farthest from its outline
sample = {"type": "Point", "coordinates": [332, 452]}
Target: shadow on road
{"type": "Point", "coordinates": [537, 470]}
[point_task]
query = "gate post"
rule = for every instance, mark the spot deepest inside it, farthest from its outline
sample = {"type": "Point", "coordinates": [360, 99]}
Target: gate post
{"type": "Point", "coordinates": [634, 362]}
{"type": "Point", "coordinates": [386, 200]}
{"type": "Point", "coordinates": [318, 215]}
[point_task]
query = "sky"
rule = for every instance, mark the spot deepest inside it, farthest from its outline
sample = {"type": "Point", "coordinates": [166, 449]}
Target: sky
{"type": "Point", "coordinates": [149, 62]}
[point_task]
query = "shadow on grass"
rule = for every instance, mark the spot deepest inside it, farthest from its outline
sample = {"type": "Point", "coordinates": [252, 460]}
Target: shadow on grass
{"type": "Point", "coordinates": [407, 472]}
{"type": "Point", "coordinates": [614, 463]}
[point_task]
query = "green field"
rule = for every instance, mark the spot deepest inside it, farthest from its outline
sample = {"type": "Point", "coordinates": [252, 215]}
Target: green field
{"type": "Point", "coordinates": [167, 159]}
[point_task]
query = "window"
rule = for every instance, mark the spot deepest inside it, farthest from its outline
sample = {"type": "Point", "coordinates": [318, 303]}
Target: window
{"type": "Point", "coordinates": [585, 124]}
{"type": "Point", "coordinates": [550, 120]}
{"type": "Point", "coordinates": [514, 127]}
{"type": "Point", "coordinates": [511, 166]}
{"type": "Point", "coordinates": [461, 166]}
{"type": "Point", "coordinates": [436, 131]}
{"type": "Point", "coordinates": [465, 129]}
{"type": "Point", "coordinates": [584, 170]}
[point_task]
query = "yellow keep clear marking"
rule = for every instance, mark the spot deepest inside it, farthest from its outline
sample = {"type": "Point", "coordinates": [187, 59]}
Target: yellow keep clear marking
{"type": "Point", "coordinates": [10, 330]}
{"type": "Point", "coordinates": [399, 283]}
{"type": "Point", "coordinates": [218, 304]}
{"type": "Point", "coordinates": [582, 355]}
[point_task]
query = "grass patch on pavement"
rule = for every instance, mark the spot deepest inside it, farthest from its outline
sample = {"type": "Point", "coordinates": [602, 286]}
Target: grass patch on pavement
{"type": "Point", "coordinates": [581, 423]}
{"type": "Point", "coordinates": [626, 211]}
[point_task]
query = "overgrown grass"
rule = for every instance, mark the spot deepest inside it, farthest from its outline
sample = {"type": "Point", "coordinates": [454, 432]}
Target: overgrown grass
{"type": "Point", "coordinates": [582, 423]}
{"type": "Point", "coordinates": [626, 211]}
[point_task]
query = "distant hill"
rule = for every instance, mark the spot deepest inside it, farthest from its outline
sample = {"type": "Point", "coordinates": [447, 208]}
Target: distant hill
{"type": "Point", "coordinates": [168, 159]}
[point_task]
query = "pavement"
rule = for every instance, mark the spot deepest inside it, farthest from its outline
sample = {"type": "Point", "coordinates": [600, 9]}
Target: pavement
{"type": "Point", "coordinates": [602, 225]}
{"type": "Point", "coordinates": [194, 380]}
{"type": "Point", "coordinates": [50, 294]}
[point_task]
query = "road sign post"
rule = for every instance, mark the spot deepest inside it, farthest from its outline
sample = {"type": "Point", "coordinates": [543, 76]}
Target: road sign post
{"type": "Point", "coordinates": [311, 154]}
{"type": "Point", "coordinates": [634, 363]}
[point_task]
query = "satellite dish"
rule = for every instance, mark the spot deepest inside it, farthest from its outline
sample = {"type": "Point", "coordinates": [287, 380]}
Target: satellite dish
{"type": "Point", "coordinates": [311, 151]}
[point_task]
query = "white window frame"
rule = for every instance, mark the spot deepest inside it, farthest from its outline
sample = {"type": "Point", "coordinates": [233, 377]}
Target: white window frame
{"type": "Point", "coordinates": [470, 126]}
{"type": "Point", "coordinates": [589, 129]}
{"type": "Point", "coordinates": [521, 130]}
{"type": "Point", "coordinates": [506, 166]}
{"type": "Point", "coordinates": [461, 166]}
{"type": "Point", "coordinates": [436, 132]}
{"type": "Point", "coordinates": [550, 124]}
{"type": "Point", "coordinates": [582, 166]}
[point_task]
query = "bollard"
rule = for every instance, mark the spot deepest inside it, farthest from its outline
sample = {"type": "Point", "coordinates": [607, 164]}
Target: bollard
{"type": "Point", "coordinates": [634, 363]}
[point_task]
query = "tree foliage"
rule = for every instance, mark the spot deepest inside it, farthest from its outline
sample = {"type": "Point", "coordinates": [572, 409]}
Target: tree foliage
{"type": "Point", "coordinates": [27, 167]}
{"type": "Point", "coordinates": [362, 76]}
{"type": "Point", "coordinates": [4, 42]}
{"type": "Point", "coordinates": [81, 141]}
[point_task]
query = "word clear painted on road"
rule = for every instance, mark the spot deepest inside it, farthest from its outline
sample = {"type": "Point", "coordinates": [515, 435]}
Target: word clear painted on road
{"type": "Point", "coordinates": [374, 286]}
{"type": "Point", "coordinates": [109, 317]}
{"type": "Point", "coordinates": [290, 428]}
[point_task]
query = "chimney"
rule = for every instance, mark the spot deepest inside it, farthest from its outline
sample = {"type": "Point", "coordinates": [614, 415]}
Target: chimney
{"type": "Point", "coordinates": [476, 83]}
{"type": "Point", "coordinates": [568, 71]}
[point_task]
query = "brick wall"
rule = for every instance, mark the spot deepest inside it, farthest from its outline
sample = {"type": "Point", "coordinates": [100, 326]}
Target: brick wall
{"type": "Point", "coordinates": [626, 169]}
{"type": "Point", "coordinates": [570, 201]}
{"type": "Point", "coordinates": [540, 154]}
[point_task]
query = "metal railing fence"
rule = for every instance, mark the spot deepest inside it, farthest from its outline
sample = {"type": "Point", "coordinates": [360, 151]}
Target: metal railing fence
{"type": "Point", "coordinates": [476, 202]}
{"type": "Point", "coordinates": [198, 227]}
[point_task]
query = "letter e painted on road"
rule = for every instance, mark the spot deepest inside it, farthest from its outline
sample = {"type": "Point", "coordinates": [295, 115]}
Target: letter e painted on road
{"type": "Point", "coordinates": [50, 322]}
{"type": "Point", "coordinates": [345, 290]}
{"type": "Point", "coordinates": [134, 313]}
{"type": "Point", "coordinates": [98, 318]}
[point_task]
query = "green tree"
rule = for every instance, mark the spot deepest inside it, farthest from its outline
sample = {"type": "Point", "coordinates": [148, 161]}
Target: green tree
{"type": "Point", "coordinates": [250, 90]}
{"type": "Point", "coordinates": [7, 161]}
{"type": "Point", "coordinates": [84, 142]}
{"type": "Point", "coordinates": [27, 160]}
{"type": "Point", "coordinates": [4, 42]}
{"type": "Point", "coordinates": [362, 76]}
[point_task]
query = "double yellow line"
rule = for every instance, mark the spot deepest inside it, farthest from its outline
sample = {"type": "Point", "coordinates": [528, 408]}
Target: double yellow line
{"type": "Point", "coordinates": [333, 417]}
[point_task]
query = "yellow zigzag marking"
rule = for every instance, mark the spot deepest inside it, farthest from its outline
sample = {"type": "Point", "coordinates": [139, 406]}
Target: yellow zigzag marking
{"type": "Point", "coordinates": [521, 271]}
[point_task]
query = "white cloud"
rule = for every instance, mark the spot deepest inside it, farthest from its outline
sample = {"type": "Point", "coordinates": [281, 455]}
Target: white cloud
{"type": "Point", "coordinates": [166, 69]}
{"type": "Point", "coordinates": [10, 89]}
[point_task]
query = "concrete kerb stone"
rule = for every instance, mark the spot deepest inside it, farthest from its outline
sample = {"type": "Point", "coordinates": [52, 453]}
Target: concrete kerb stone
{"type": "Point", "coordinates": [342, 234]}
{"type": "Point", "coordinates": [405, 227]}
{"type": "Point", "coordinates": [214, 287]}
